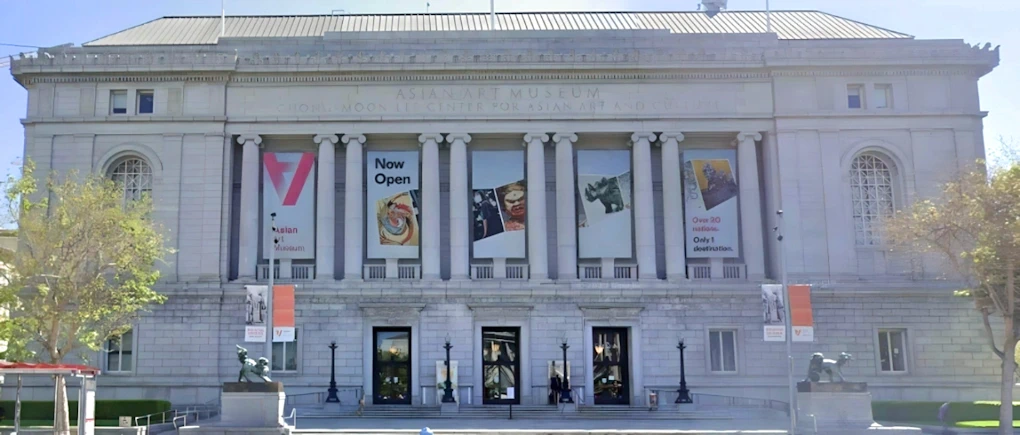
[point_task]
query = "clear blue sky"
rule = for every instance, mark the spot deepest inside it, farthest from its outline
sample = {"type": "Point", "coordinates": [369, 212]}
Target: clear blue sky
{"type": "Point", "coordinates": [54, 22]}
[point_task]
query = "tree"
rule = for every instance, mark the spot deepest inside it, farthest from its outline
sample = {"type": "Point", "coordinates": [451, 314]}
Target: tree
{"type": "Point", "coordinates": [975, 226]}
{"type": "Point", "coordinates": [83, 271]}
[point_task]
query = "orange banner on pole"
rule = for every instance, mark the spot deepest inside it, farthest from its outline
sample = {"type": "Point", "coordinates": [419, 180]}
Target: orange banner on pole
{"type": "Point", "coordinates": [283, 313]}
{"type": "Point", "coordinates": [801, 318]}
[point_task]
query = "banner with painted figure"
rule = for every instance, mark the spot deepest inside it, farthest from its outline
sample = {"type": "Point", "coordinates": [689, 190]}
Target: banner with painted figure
{"type": "Point", "coordinates": [288, 189]}
{"type": "Point", "coordinates": [710, 204]}
{"type": "Point", "coordinates": [604, 217]}
{"type": "Point", "coordinates": [256, 312]}
{"type": "Point", "coordinates": [392, 205]}
{"type": "Point", "coordinates": [774, 312]}
{"type": "Point", "coordinates": [499, 204]}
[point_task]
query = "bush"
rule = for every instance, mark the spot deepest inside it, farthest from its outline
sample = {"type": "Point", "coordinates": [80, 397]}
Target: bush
{"type": "Point", "coordinates": [105, 409]}
{"type": "Point", "coordinates": [897, 411]}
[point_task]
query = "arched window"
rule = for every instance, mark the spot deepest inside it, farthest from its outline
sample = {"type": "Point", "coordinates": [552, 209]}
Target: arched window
{"type": "Point", "coordinates": [135, 175]}
{"type": "Point", "coordinates": [871, 187]}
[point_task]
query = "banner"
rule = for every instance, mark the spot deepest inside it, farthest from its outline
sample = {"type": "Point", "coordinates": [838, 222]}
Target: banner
{"type": "Point", "coordinates": [499, 204]}
{"type": "Point", "coordinates": [773, 309]}
{"type": "Point", "coordinates": [604, 218]}
{"type": "Point", "coordinates": [801, 318]}
{"type": "Point", "coordinates": [288, 189]}
{"type": "Point", "coordinates": [710, 204]}
{"type": "Point", "coordinates": [393, 203]}
{"type": "Point", "coordinates": [283, 313]}
{"type": "Point", "coordinates": [256, 306]}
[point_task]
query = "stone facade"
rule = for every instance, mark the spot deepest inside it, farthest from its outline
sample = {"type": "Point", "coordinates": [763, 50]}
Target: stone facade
{"type": "Point", "coordinates": [781, 104]}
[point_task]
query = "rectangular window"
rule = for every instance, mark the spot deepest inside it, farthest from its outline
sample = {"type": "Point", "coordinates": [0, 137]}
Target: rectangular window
{"type": "Point", "coordinates": [285, 357]}
{"type": "Point", "coordinates": [118, 102]}
{"type": "Point", "coordinates": [145, 99]}
{"type": "Point", "coordinates": [723, 350]}
{"type": "Point", "coordinates": [855, 96]}
{"type": "Point", "coordinates": [892, 350]}
{"type": "Point", "coordinates": [883, 96]}
{"type": "Point", "coordinates": [118, 353]}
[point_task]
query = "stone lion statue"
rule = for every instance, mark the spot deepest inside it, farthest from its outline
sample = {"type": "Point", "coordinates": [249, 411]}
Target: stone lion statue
{"type": "Point", "coordinates": [249, 366]}
{"type": "Point", "coordinates": [819, 364]}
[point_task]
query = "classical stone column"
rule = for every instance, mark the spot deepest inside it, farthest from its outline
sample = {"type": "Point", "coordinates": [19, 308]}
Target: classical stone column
{"type": "Point", "coordinates": [325, 209]}
{"type": "Point", "coordinates": [566, 216]}
{"type": "Point", "coordinates": [248, 233]}
{"type": "Point", "coordinates": [538, 250]}
{"type": "Point", "coordinates": [354, 207]}
{"type": "Point", "coordinates": [459, 222]}
{"type": "Point", "coordinates": [672, 206]}
{"type": "Point", "coordinates": [750, 205]}
{"type": "Point", "coordinates": [644, 206]}
{"type": "Point", "coordinates": [430, 213]}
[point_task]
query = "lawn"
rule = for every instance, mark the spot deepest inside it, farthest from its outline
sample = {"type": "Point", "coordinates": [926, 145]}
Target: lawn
{"type": "Point", "coordinates": [984, 423]}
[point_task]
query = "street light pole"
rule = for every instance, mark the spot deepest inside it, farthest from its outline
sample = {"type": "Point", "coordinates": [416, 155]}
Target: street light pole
{"type": "Point", "coordinates": [332, 397]}
{"type": "Point", "coordinates": [448, 386]}
{"type": "Point", "coordinates": [269, 292]}
{"type": "Point", "coordinates": [565, 397]}
{"type": "Point", "coordinates": [684, 395]}
{"type": "Point", "coordinates": [787, 324]}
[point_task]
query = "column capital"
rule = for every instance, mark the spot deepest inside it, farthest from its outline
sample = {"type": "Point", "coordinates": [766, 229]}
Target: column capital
{"type": "Point", "coordinates": [642, 135]}
{"type": "Point", "coordinates": [463, 137]}
{"type": "Point", "coordinates": [560, 137]}
{"type": "Point", "coordinates": [670, 135]}
{"type": "Point", "coordinates": [746, 135]}
{"type": "Point", "coordinates": [347, 138]}
{"type": "Point", "coordinates": [249, 138]}
{"type": "Point", "coordinates": [332, 138]}
{"type": "Point", "coordinates": [425, 137]}
{"type": "Point", "coordinates": [531, 137]}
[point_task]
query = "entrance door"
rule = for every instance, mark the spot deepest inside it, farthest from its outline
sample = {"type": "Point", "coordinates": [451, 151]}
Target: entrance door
{"type": "Point", "coordinates": [392, 366]}
{"type": "Point", "coordinates": [501, 365]}
{"type": "Point", "coordinates": [612, 387]}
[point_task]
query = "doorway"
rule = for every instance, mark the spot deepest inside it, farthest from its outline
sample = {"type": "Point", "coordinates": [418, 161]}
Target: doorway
{"type": "Point", "coordinates": [611, 366]}
{"type": "Point", "coordinates": [501, 366]}
{"type": "Point", "coordinates": [391, 365]}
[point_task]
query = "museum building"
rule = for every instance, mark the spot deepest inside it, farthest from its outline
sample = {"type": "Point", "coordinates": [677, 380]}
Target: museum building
{"type": "Point", "coordinates": [608, 181]}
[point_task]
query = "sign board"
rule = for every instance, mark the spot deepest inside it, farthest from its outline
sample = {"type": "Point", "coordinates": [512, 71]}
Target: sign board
{"type": "Point", "coordinates": [499, 204]}
{"type": "Point", "coordinates": [774, 312]}
{"type": "Point", "coordinates": [604, 217]}
{"type": "Point", "coordinates": [511, 393]}
{"type": "Point", "coordinates": [124, 421]}
{"type": "Point", "coordinates": [801, 317]}
{"type": "Point", "coordinates": [283, 313]}
{"type": "Point", "coordinates": [710, 204]}
{"type": "Point", "coordinates": [87, 406]}
{"type": "Point", "coordinates": [289, 191]}
{"type": "Point", "coordinates": [256, 312]}
{"type": "Point", "coordinates": [393, 204]}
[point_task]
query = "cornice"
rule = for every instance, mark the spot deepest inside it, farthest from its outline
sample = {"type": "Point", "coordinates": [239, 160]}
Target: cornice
{"type": "Point", "coordinates": [65, 77]}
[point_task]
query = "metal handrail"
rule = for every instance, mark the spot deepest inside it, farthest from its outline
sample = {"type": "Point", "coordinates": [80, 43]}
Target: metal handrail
{"type": "Point", "coordinates": [293, 416]}
{"type": "Point", "coordinates": [742, 401]}
{"type": "Point", "coordinates": [148, 418]}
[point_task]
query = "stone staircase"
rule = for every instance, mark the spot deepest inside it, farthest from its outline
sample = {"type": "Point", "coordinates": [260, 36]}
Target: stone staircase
{"type": "Point", "coordinates": [524, 412]}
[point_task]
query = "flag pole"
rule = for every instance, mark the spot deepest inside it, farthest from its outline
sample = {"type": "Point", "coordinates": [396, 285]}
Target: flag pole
{"type": "Point", "coordinates": [768, 18]}
{"type": "Point", "coordinates": [492, 14]}
{"type": "Point", "coordinates": [223, 18]}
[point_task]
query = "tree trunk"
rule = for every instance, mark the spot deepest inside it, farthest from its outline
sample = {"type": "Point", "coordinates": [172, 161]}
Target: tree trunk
{"type": "Point", "coordinates": [1008, 370]}
{"type": "Point", "coordinates": [61, 417]}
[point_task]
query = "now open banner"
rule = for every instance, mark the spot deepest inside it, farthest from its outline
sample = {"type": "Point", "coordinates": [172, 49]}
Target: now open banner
{"type": "Point", "coordinates": [288, 189]}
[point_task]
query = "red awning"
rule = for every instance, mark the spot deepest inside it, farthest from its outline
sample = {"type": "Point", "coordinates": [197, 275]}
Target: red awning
{"type": "Point", "coordinates": [46, 369]}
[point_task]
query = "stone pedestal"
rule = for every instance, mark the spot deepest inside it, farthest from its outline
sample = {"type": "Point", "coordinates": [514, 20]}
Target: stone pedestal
{"type": "Point", "coordinates": [838, 408]}
{"type": "Point", "coordinates": [449, 408]}
{"type": "Point", "coordinates": [252, 404]}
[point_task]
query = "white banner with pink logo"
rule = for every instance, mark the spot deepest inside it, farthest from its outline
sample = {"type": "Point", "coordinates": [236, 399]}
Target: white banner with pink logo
{"type": "Point", "coordinates": [288, 189]}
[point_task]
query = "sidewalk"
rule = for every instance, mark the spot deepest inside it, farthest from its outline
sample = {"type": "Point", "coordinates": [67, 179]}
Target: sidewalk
{"type": "Point", "coordinates": [558, 427]}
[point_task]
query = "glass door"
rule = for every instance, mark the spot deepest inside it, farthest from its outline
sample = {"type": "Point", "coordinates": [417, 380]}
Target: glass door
{"type": "Point", "coordinates": [501, 365]}
{"type": "Point", "coordinates": [610, 366]}
{"type": "Point", "coordinates": [392, 366]}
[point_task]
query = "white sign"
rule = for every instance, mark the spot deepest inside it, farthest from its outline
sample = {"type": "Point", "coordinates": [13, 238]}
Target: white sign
{"type": "Point", "coordinates": [773, 312]}
{"type": "Point", "coordinates": [804, 333]}
{"type": "Point", "coordinates": [604, 218]}
{"type": "Point", "coordinates": [256, 306]}
{"type": "Point", "coordinates": [510, 392]}
{"type": "Point", "coordinates": [288, 189]}
{"type": "Point", "coordinates": [499, 204]}
{"type": "Point", "coordinates": [284, 334]}
{"type": "Point", "coordinates": [254, 334]}
{"type": "Point", "coordinates": [393, 222]}
{"type": "Point", "coordinates": [710, 204]}
{"type": "Point", "coordinates": [124, 421]}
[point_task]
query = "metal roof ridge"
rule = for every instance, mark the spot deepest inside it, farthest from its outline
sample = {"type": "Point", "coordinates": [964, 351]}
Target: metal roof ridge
{"type": "Point", "coordinates": [401, 14]}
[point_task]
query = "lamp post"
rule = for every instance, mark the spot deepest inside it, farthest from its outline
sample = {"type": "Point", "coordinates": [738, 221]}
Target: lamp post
{"type": "Point", "coordinates": [684, 395]}
{"type": "Point", "coordinates": [448, 386]}
{"type": "Point", "coordinates": [269, 292]}
{"type": "Point", "coordinates": [332, 398]}
{"type": "Point", "coordinates": [565, 397]}
{"type": "Point", "coordinates": [788, 325]}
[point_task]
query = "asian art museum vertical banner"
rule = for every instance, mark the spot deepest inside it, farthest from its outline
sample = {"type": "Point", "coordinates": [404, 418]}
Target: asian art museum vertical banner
{"type": "Point", "coordinates": [604, 218]}
{"type": "Point", "coordinates": [393, 203]}
{"type": "Point", "coordinates": [774, 312]}
{"type": "Point", "coordinates": [289, 191]}
{"type": "Point", "coordinates": [710, 204]}
{"type": "Point", "coordinates": [256, 312]}
{"type": "Point", "coordinates": [499, 204]}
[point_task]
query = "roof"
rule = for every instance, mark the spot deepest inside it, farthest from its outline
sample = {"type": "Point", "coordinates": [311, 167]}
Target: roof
{"type": "Point", "coordinates": [790, 25]}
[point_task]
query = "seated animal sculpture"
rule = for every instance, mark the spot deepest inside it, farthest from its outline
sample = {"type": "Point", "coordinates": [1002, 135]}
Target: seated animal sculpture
{"type": "Point", "coordinates": [819, 364]}
{"type": "Point", "coordinates": [249, 366]}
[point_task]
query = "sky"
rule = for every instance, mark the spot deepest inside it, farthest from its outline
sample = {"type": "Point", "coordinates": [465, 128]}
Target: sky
{"type": "Point", "coordinates": [53, 22]}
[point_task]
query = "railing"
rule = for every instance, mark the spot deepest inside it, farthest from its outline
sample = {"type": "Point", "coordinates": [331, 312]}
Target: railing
{"type": "Point", "coordinates": [375, 271]}
{"type": "Point", "coordinates": [595, 272]}
{"type": "Point", "coordinates": [179, 415]}
{"type": "Point", "coordinates": [293, 418]}
{"type": "Point", "coordinates": [699, 271]}
{"type": "Point", "coordinates": [482, 271]}
{"type": "Point", "coordinates": [734, 271]}
{"type": "Point", "coordinates": [294, 400]}
{"type": "Point", "coordinates": [517, 271]}
{"type": "Point", "coordinates": [298, 272]}
{"type": "Point", "coordinates": [589, 272]}
{"type": "Point", "coordinates": [404, 271]}
{"type": "Point", "coordinates": [408, 271]}
{"type": "Point", "coordinates": [625, 272]}
{"type": "Point", "coordinates": [488, 271]}
{"type": "Point", "coordinates": [746, 402]}
{"type": "Point", "coordinates": [704, 271]}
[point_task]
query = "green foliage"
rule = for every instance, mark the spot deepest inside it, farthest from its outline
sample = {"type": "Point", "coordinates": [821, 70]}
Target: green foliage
{"type": "Point", "coordinates": [985, 424]}
{"type": "Point", "coordinates": [85, 266]}
{"type": "Point", "coordinates": [902, 411]}
{"type": "Point", "coordinates": [105, 409]}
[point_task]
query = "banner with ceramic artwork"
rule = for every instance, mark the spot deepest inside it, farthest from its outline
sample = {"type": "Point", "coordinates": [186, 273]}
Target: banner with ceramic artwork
{"type": "Point", "coordinates": [604, 217]}
{"type": "Point", "coordinates": [256, 312]}
{"type": "Point", "coordinates": [710, 204]}
{"type": "Point", "coordinates": [393, 202]}
{"type": "Point", "coordinates": [499, 204]}
{"type": "Point", "coordinates": [288, 189]}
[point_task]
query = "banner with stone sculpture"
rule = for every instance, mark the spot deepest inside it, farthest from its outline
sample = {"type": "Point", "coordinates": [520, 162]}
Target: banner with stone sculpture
{"type": "Point", "coordinates": [604, 218]}
{"type": "Point", "coordinates": [256, 312]}
{"type": "Point", "coordinates": [774, 312]}
{"type": "Point", "coordinates": [499, 204]}
{"type": "Point", "coordinates": [393, 202]}
{"type": "Point", "coordinates": [289, 191]}
{"type": "Point", "coordinates": [710, 204]}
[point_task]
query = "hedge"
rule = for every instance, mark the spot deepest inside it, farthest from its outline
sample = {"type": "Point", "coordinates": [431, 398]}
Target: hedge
{"type": "Point", "coordinates": [105, 409]}
{"type": "Point", "coordinates": [897, 411]}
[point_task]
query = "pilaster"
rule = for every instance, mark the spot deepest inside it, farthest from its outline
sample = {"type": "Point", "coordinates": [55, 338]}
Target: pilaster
{"type": "Point", "coordinates": [644, 207]}
{"type": "Point", "coordinates": [354, 214]}
{"type": "Point", "coordinates": [672, 206]}
{"type": "Point", "coordinates": [459, 222]}
{"type": "Point", "coordinates": [325, 210]}
{"type": "Point", "coordinates": [750, 205]}
{"type": "Point", "coordinates": [249, 219]}
{"type": "Point", "coordinates": [566, 214]}
{"type": "Point", "coordinates": [430, 212]}
{"type": "Point", "coordinates": [538, 255]}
